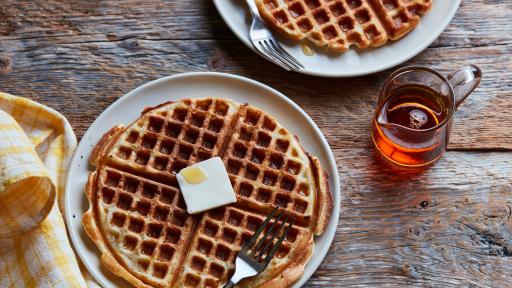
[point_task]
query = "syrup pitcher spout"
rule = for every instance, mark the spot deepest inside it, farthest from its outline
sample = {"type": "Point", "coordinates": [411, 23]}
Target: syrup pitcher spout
{"type": "Point", "coordinates": [464, 81]}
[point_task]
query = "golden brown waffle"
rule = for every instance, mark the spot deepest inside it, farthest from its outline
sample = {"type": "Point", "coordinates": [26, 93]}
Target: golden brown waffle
{"type": "Point", "coordinates": [400, 16]}
{"type": "Point", "coordinates": [339, 24]}
{"type": "Point", "coordinates": [219, 237]}
{"type": "Point", "coordinates": [145, 222]}
{"type": "Point", "coordinates": [172, 138]}
{"type": "Point", "coordinates": [138, 218]}
{"type": "Point", "coordinates": [268, 168]}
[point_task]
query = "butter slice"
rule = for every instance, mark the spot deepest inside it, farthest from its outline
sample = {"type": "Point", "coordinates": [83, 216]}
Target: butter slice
{"type": "Point", "coordinates": [214, 192]}
{"type": "Point", "coordinates": [194, 175]}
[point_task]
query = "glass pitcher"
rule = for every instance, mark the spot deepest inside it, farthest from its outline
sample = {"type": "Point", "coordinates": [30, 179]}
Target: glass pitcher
{"type": "Point", "coordinates": [413, 120]}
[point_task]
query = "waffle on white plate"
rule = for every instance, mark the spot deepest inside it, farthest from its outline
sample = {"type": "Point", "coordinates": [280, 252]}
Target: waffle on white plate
{"type": "Point", "coordinates": [137, 215]}
{"type": "Point", "coordinates": [339, 24]}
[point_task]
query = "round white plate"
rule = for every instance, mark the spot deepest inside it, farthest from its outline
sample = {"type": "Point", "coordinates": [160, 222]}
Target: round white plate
{"type": "Point", "coordinates": [127, 108]}
{"type": "Point", "coordinates": [353, 62]}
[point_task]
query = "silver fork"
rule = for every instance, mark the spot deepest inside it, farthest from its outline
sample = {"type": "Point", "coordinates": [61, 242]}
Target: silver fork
{"type": "Point", "coordinates": [254, 257]}
{"type": "Point", "coordinates": [266, 45]}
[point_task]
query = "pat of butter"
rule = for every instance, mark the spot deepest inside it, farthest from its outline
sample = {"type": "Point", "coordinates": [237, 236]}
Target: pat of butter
{"type": "Point", "coordinates": [213, 192]}
{"type": "Point", "coordinates": [194, 175]}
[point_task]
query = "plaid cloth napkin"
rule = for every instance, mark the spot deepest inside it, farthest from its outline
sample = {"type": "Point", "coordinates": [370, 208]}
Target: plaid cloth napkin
{"type": "Point", "coordinates": [36, 145]}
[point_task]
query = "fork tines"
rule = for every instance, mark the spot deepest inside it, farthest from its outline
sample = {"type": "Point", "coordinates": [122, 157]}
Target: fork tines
{"type": "Point", "coordinates": [267, 45]}
{"type": "Point", "coordinates": [264, 250]}
{"type": "Point", "coordinates": [272, 50]}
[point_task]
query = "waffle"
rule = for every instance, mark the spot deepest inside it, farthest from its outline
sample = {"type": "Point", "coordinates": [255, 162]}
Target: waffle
{"type": "Point", "coordinates": [144, 221]}
{"type": "Point", "coordinates": [211, 261]}
{"type": "Point", "coordinates": [400, 16]}
{"type": "Point", "coordinates": [137, 215]}
{"type": "Point", "coordinates": [339, 24]}
{"type": "Point", "coordinates": [268, 168]}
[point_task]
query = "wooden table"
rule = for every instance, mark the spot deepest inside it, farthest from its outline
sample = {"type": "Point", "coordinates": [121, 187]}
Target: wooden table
{"type": "Point", "coordinates": [448, 227]}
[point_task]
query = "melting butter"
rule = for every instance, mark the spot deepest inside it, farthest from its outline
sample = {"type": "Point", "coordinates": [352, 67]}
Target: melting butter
{"type": "Point", "coordinates": [307, 50]}
{"type": "Point", "coordinates": [194, 175]}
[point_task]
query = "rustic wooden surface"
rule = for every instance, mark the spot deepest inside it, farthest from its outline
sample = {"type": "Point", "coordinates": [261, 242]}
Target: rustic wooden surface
{"type": "Point", "coordinates": [448, 227]}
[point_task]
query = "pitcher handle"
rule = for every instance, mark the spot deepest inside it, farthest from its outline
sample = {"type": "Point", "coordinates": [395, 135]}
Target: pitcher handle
{"type": "Point", "coordinates": [464, 81]}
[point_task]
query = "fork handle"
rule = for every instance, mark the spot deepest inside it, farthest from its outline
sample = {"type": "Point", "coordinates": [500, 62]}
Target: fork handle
{"type": "Point", "coordinates": [254, 9]}
{"type": "Point", "coordinates": [230, 284]}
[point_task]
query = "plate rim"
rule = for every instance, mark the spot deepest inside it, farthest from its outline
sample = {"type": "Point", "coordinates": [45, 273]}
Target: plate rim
{"type": "Point", "coordinates": [407, 56]}
{"type": "Point", "coordinates": [329, 233]}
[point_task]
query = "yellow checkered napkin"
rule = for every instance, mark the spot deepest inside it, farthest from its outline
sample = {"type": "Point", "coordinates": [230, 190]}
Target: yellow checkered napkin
{"type": "Point", "coordinates": [36, 144]}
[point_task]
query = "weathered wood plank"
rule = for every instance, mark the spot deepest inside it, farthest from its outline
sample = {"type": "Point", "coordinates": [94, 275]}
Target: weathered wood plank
{"type": "Point", "coordinates": [425, 230]}
{"type": "Point", "coordinates": [95, 74]}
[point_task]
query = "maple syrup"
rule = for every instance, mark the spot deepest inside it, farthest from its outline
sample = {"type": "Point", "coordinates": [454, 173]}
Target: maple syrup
{"type": "Point", "coordinates": [415, 107]}
{"type": "Point", "coordinates": [404, 128]}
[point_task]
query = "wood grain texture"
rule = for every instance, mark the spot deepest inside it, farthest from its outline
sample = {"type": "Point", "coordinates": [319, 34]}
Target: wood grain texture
{"type": "Point", "coordinates": [448, 227]}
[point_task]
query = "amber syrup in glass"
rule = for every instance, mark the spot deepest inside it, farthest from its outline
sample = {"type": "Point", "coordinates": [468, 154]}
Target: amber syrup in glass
{"type": "Point", "coordinates": [404, 127]}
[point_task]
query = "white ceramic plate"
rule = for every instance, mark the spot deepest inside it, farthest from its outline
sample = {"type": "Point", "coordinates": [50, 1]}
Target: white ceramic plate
{"type": "Point", "coordinates": [353, 62]}
{"type": "Point", "coordinates": [127, 108]}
